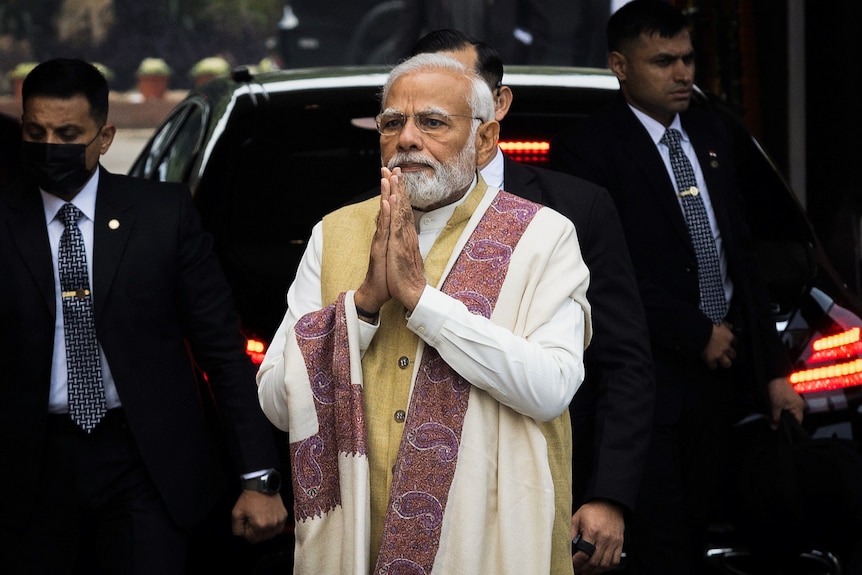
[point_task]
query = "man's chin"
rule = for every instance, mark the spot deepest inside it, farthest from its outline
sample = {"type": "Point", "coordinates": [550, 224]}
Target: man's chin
{"type": "Point", "coordinates": [426, 201]}
{"type": "Point", "coordinates": [432, 201]}
{"type": "Point", "coordinates": [681, 104]}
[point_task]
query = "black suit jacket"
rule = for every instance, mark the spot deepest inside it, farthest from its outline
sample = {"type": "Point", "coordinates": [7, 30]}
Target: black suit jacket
{"type": "Point", "coordinates": [614, 150]}
{"type": "Point", "coordinates": [612, 410]}
{"type": "Point", "coordinates": [10, 149]}
{"type": "Point", "coordinates": [159, 294]}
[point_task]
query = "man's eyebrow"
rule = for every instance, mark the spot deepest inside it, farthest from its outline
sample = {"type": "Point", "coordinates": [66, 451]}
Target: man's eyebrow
{"type": "Point", "coordinates": [431, 110]}
{"type": "Point", "coordinates": [674, 55]}
{"type": "Point", "coordinates": [434, 110]}
{"type": "Point", "coordinates": [63, 128]}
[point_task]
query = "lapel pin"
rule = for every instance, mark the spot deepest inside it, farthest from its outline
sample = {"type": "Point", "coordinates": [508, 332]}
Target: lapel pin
{"type": "Point", "coordinates": [114, 224]}
{"type": "Point", "coordinates": [692, 191]}
{"type": "Point", "coordinates": [713, 159]}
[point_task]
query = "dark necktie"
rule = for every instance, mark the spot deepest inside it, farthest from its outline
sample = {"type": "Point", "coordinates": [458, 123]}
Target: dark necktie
{"type": "Point", "coordinates": [712, 300]}
{"type": "Point", "coordinates": [86, 393]}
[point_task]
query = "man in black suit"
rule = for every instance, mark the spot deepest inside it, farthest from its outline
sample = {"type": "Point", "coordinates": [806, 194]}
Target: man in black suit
{"type": "Point", "coordinates": [704, 365]}
{"type": "Point", "coordinates": [108, 461]}
{"type": "Point", "coordinates": [612, 411]}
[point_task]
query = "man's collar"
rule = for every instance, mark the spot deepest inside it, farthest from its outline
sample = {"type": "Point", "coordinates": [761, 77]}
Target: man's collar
{"type": "Point", "coordinates": [494, 172]}
{"type": "Point", "coordinates": [655, 128]}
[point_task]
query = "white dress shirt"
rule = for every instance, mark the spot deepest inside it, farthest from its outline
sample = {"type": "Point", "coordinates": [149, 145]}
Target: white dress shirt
{"type": "Point", "coordinates": [494, 171]}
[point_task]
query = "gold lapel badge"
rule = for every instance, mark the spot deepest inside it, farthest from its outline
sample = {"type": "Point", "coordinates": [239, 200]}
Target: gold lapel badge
{"type": "Point", "coordinates": [114, 224]}
{"type": "Point", "coordinates": [692, 191]}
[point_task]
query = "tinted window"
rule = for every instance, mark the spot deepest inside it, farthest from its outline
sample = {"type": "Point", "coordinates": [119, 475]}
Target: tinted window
{"type": "Point", "coordinates": [174, 147]}
{"type": "Point", "coordinates": [278, 170]}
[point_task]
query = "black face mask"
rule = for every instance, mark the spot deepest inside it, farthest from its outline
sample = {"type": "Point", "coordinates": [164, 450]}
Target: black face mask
{"type": "Point", "coordinates": [59, 169]}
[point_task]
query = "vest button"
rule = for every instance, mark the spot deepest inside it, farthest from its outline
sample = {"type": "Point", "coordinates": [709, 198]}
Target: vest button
{"type": "Point", "coordinates": [403, 362]}
{"type": "Point", "coordinates": [400, 416]}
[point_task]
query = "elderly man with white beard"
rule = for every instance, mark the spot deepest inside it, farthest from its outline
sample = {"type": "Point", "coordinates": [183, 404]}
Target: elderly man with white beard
{"type": "Point", "coordinates": [433, 340]}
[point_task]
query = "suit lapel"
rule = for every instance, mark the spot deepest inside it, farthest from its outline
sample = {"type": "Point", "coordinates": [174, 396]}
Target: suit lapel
{"type": "Point", "coordinates": [30, 235]}
{"type": "Point", "coordinates": [644, 155]}
{"type": "Point", "coordinates": [114, 222]}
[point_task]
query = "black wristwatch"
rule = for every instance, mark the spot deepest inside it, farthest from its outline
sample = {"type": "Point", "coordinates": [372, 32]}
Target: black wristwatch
{"type": "Point", "coordinates": [269, 482]}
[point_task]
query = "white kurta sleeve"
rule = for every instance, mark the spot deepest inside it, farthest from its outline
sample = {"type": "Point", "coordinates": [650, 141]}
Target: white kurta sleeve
{"type": "Point", "coordinates": [529, 357]}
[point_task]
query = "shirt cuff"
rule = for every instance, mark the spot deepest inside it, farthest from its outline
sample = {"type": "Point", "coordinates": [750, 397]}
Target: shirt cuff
{"type": "Point", "coordinates": [430, 313]}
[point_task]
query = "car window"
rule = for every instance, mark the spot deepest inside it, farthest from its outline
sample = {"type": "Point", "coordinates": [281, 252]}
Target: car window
{"type": "Point", "coordinates": [173, 148]}
{"type": "Point", "coordinates": [277, 172]}
{"type": "Point", "coordinates": [176, 164]}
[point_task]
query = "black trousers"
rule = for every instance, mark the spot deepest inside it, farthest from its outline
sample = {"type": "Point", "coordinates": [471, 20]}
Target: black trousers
{"type": "Point", "coordinates": [686, 463]}
{"type": "Point", "coordinates": [99, 512]}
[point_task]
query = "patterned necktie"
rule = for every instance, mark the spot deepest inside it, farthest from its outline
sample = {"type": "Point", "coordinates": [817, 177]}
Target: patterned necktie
{"type": "Point", "coordinates": [712, 299]}
{"type": "Point", "coordinates": [86, 393]}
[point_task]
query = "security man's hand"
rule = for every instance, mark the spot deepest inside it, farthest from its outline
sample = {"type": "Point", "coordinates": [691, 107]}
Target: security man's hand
{"type": "Point", "coordinates": [600, 523]}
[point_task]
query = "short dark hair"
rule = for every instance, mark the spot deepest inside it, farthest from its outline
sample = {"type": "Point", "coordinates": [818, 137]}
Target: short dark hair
{"type": "Point", "coordinates": [644, 16]}
{"type": "Point", "coordinates": [67, 78]}
{"type": "Point", "coordinates": [488, 61]}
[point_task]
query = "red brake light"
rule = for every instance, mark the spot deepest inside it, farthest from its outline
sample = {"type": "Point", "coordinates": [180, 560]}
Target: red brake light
{"type": "Point", "coordinates": [255, 349]}
{"type": "Point", "coordinates": [834, 363]}
{"type": "Point", "coordinates": [530, 152]}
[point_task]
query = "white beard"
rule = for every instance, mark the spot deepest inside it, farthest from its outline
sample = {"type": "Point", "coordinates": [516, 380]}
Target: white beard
{"type": "Point", "coordinates": [446, 180]}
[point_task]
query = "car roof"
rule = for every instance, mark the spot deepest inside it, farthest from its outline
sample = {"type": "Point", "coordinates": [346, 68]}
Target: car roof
{"type": "Point", "coordinates": [357, 76]}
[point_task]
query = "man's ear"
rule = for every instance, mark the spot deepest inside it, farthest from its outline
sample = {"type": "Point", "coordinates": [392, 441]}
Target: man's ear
{"type": "Point", "coordinates": [617, 64]}
{"type": "Point", "coordinates": [106, 136]}
{"type": "Point", "coordinates": [502, 101]}
{"type": "Point", "coordinates": [486, 142]}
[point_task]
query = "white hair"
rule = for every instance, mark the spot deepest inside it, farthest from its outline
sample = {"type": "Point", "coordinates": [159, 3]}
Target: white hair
{"type": "Point", "coordinates": [480, 100]}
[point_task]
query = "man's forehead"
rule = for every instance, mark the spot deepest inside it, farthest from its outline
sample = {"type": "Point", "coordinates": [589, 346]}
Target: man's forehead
{"type": "Point", "coordinates": [59, 111]}
{"type": "Point", "coordinates": [430, 89]}
{"type": "Point", "coordinates": [678, 45]}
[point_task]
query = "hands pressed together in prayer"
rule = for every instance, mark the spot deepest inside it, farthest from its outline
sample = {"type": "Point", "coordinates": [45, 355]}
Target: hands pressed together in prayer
{"type": "Point", "coordinates": [395, 268]}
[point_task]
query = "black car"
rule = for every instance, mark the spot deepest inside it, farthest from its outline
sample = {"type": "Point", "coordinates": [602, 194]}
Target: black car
{"type": "Point", "coordinates": [266, 156]}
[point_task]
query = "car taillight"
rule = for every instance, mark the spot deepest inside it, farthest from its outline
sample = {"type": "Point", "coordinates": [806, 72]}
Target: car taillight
{"type": "Point", "coordinates": [835, 362]}
{"type": "Point", "coordinates": [255, 349]}
{"type": "Point", "coordinates": [528, 152]}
